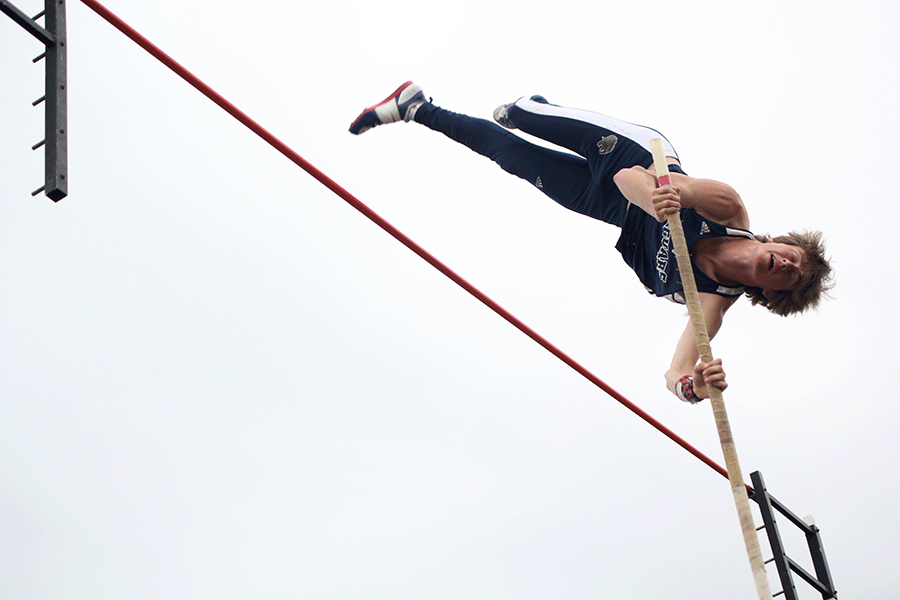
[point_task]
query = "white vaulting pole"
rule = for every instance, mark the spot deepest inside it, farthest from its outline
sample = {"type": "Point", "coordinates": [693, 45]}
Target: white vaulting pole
{"type": "Point", "coordinates": [738, 488]}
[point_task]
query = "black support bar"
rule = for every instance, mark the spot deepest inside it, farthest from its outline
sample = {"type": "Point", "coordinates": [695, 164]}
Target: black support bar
{"type": "Point", "coordinates": [768, 506]}
{"type": "Point", "coordinates": [27, 22]}
{"type": "Point", "coordinates": [55, 122]}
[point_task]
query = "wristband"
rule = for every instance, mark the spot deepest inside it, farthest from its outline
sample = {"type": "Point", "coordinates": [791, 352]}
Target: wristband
{"type": "Point", "coordinates": [684, 389]}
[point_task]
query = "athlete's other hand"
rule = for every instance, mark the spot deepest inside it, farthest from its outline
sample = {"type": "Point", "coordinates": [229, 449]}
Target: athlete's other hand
{"type": "Point", "coordinates": [706, 374]}
{"type": "Point", "coordinates": [666, 201]}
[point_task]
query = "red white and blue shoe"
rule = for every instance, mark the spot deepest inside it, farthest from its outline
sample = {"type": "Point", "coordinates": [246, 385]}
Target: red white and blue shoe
{"type": "Point", "coordinates": [399, 106]}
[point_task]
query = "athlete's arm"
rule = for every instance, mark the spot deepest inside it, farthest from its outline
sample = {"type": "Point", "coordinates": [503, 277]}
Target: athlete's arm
{"type": "Point", "coordinates": [685, 360]}
{"type": "Point", "coordinates": [712, 199]}
{"type": "Point", "coordinates": [637, 185]}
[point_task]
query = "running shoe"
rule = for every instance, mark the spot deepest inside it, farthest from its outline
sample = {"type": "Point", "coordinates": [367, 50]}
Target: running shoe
{"type": "Point", "coordinates": [399, 106]}
{"type": "Point", "coordinates": [501, 113]}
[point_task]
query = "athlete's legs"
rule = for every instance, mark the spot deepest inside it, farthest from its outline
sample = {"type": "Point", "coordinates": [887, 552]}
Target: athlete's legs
{"type": "Point", "coordinates": [607, 143]}
{"type": "Point", "coordinates": [577, 129]}
{"type": "Point", "coordinates": [561, 176]}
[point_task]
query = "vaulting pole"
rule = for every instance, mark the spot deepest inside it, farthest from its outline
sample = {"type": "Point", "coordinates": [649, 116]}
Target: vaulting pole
{"type": "Point", "coordinates": [692, 297]}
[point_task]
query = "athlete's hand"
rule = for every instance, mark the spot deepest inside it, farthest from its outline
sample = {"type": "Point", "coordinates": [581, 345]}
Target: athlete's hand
{"type": "Point", "coordinates": [666, 201]}
{"type": "Point", "coordinates": [706, 374]}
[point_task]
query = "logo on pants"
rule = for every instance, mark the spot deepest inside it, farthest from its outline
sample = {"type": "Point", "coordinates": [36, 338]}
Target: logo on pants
{"type": "Point", "coordinates": [607, 144]}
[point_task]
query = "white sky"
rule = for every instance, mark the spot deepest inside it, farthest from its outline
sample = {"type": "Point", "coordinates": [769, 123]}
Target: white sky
{"type": "Point", "coordinates": [217, 380]}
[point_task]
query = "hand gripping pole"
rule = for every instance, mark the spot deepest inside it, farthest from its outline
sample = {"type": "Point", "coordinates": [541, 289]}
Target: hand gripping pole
{"type": "Point", "coordinates": [692, 297]}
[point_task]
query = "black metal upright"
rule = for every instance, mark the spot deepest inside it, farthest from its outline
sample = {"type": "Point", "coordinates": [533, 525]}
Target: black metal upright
{"type": "Point", "coordinates": [768, 506]}
{"type": "Point", "coordinates": [56, 148]}
{"type": "Point", "coordinates": [53, 36]}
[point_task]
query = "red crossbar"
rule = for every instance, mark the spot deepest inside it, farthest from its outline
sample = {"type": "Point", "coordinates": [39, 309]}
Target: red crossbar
{"type": "Point", "coordinates": [378, 220]}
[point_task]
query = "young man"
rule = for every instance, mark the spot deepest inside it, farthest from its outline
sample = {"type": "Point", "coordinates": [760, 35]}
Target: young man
{"type": "Point", "coordinates": [611, 178]}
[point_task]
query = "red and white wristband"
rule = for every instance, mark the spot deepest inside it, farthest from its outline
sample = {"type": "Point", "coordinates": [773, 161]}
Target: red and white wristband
{"type": "Point", "coordinates": [684, 389]}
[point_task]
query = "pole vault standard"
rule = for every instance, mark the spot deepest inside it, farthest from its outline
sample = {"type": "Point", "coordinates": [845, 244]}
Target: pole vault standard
{"type": "Point", "coordinates": [692, 298]}
{"type": "Point", "coordinates": [53, 36]}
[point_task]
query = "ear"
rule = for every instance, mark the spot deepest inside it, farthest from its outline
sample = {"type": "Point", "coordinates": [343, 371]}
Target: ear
{"type": "Point", "coordinates": [768, 294]}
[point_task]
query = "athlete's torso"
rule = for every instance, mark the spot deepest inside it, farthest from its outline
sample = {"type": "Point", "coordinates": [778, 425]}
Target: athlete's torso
{"type": "Point", "coordinates": [646, 246]}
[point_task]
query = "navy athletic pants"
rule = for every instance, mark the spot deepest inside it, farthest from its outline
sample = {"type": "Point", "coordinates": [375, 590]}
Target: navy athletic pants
{"type": "Point", "coordinates": [583, 181]}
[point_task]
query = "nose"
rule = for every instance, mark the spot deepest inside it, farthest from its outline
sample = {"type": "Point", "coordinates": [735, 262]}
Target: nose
{"type": "Point", "coordinates": [789, 265]}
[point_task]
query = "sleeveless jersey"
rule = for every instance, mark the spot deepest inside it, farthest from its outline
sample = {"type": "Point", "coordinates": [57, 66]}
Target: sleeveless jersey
{"type": "Point", "coordinates": [647, 248]}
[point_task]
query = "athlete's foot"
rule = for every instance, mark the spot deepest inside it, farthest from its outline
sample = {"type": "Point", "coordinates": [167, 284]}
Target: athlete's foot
{"type": "Point", "coordinates": [399, 106]}
{"type": "Point", "coordinates": [501, 113]}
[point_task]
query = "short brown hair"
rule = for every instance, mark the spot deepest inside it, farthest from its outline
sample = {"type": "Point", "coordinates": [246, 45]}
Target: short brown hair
{"type": "Point", "coordinates": [815, 280]}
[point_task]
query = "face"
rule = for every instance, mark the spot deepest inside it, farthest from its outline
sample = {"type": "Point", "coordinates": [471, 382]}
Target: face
{"type": "Point", "coordinates": [780, 266]}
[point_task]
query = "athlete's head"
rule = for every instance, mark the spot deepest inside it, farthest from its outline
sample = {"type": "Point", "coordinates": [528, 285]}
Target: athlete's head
{"type": "Point", "coordinates": [814, 281]}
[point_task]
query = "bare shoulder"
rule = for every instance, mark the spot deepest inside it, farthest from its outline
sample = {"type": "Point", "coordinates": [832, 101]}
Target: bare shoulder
{"type": "Point", "coordinates": [712, 199]}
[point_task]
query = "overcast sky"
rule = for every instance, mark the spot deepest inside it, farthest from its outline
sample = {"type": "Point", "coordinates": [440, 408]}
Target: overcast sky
{"type": "Point", "coordinates": [219, 381]}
